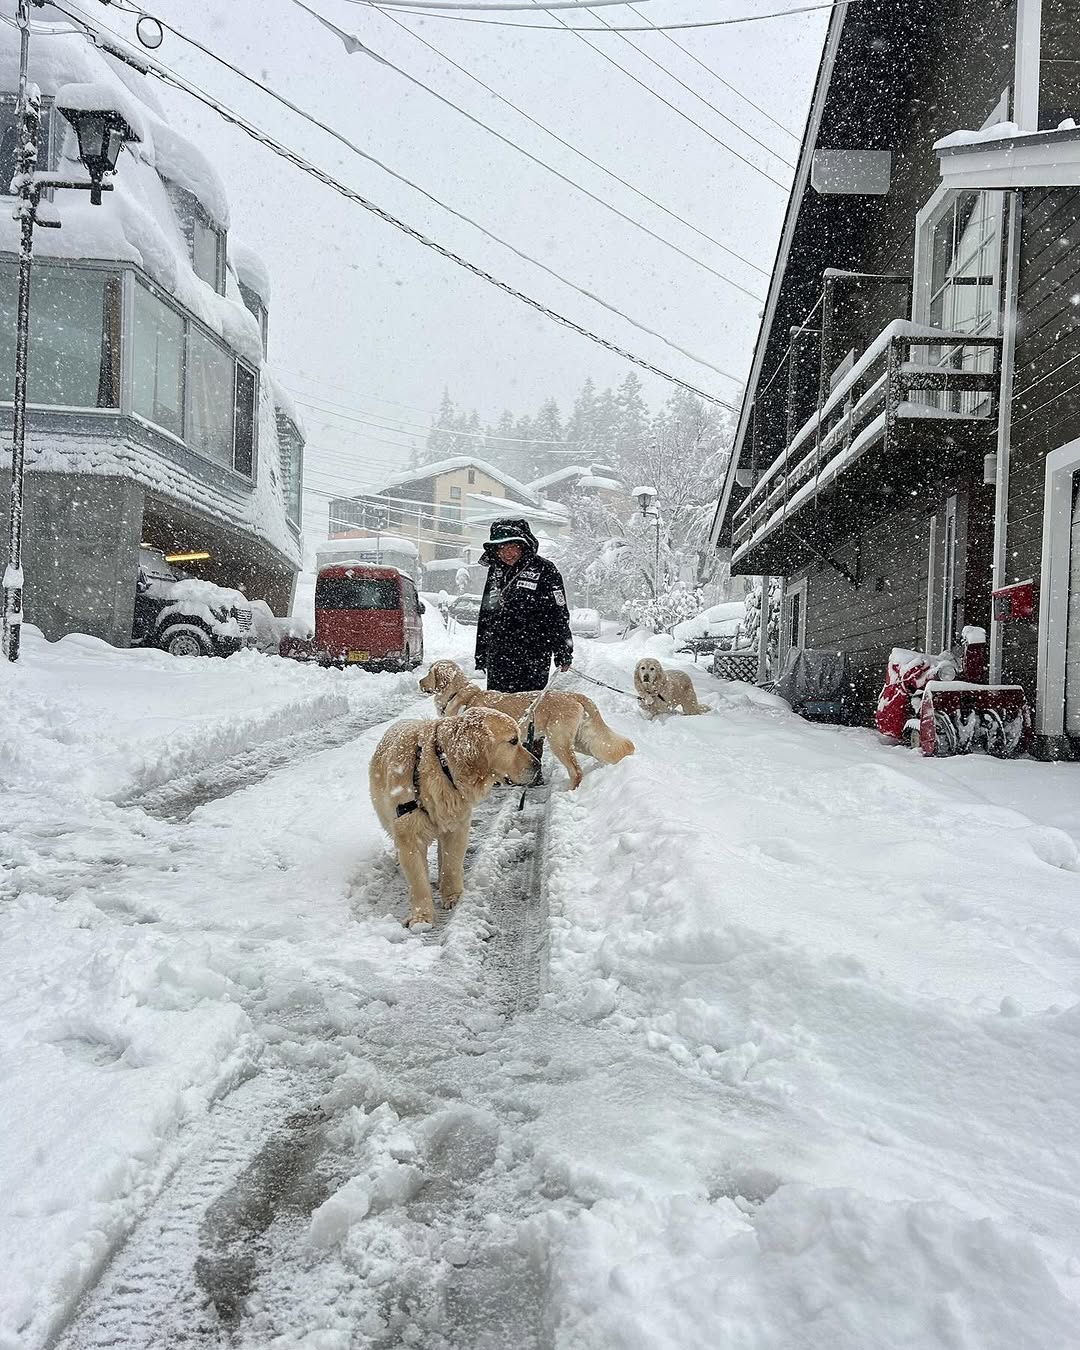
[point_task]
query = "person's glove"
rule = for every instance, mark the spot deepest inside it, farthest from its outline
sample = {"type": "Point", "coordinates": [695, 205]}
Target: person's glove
{"type": "Point", "coordinates": [563, 669]}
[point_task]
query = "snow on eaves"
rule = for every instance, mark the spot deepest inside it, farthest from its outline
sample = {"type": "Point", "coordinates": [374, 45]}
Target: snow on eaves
{"type": "Point", "coordinates": [559, 476]}
{"type": "Point", "coordinates": [179, 161]}
{"type": "Point", "coordinates": [285, 403]}
{"type": "Point", "coordinates": [459, 462]}
{"type": "Point", "coordinates": [99, 96]}
{"type": "Point", "coordinates": [250, 269]}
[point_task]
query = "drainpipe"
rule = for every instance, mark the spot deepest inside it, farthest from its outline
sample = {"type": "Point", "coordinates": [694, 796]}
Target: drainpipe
{"type": "Point", "coordinates": [1004, 437]}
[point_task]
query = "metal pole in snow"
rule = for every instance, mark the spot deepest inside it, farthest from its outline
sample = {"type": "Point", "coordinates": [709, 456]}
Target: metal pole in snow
{"type": "Point", "coordinates": [763, 634]}
{"type": "Point", "coordinates": [28, 117]}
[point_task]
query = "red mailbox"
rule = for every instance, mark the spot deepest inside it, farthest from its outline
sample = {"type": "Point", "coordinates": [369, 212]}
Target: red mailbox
{"type": "Point", "coordinates": [1014, 602]}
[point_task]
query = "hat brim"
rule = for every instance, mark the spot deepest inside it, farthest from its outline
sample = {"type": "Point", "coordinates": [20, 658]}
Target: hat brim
{"type": "Point", "coordinates": [510, 539]}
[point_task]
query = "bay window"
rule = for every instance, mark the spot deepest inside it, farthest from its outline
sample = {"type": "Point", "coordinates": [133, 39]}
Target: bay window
{"type": "Point", "coordinates": [211, 371]}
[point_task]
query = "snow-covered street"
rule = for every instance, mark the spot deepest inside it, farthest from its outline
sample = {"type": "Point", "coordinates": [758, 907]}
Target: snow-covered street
{"type": "Point", "coordinates": [766, 1037]}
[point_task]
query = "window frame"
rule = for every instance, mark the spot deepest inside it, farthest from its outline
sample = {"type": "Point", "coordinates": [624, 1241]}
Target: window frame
{"type": "Point", "coordinates": [794, 602]}
{"type": "Point", "coordinates": [50, 145]}
{"type": "Point", "coordinates": [111, 269]}
{"type": "Point", "coordinates": [190, 322]}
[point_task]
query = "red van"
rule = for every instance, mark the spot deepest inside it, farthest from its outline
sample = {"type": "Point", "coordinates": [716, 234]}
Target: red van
{"type": "Point", "coordinates": [367, 616]}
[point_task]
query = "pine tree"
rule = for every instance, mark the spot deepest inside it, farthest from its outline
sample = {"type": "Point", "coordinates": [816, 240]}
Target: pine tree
{"type": "Point", "coordinates": [632, 420]}
{"type": "Point", "coordinates": [440, 439]}
{"type": "Point", "coordinates": [547, 428]}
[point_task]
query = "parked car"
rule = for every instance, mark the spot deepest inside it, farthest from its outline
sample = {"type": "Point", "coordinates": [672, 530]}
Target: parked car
{"type": "Point", "coordinates": [585, 623]}
{"type": "Point", "coordinates": [367, 616]}
{"type": "Point", "coordinates": [186, 616]}
{"type": "Point", "coordinates": [466, 609]}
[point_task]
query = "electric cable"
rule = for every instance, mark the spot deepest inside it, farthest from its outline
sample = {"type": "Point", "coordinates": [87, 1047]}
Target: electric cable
{"type": "Point", "coordinates": [588, 295]}
{"type": "Point", "coordinates": [690, 90]}
{"type": "Point", "coordinates": [655, 28]}
{"type": "Point", "coordinates": [278, 148]}
{"type": "Point", "coordinates": [353, 44]}
{"type": "Point", "coordinates": [623, 28]}
{"type": "Point", "coordinates": [570, 146]}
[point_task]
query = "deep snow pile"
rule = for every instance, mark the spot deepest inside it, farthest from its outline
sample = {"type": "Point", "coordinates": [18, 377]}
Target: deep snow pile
{"type": "Point", "coordinates": [877, 958]}
{"type": "Point", "coordinates": [805, 1073]}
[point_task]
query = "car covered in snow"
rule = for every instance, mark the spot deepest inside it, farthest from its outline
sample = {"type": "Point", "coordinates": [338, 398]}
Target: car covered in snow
{"type": "Point", "coordinates": [721, 626]}
{"type": "Point", "coordinates": [585, 623]}
{"type": "Point", "coordinates": [466, 609]}
{"type": "Point", "coordinates": [185, 615]}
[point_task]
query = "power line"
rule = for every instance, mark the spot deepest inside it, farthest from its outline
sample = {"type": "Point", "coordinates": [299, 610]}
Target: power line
{"type": "Point", "coordinates": [353, 44]}
{"type": "Point", "coordinates": [449, 431]}
{"type": "Point", "coordinates": [656, 28]}
{"type": "Point", "coordinates": [784, 187]}
{"type": "Point", "coordinates": [570, 146]}
{"type": "Point", "coordinates": [666, 70]}
{"type": "Point", "coordinates": [167, 76]}
{"type": "Point", "coordinates": [588, 295]}
{"type": "Point", "coordinates": [634, 28]}
{"type": "Point", "coordinates": [452, 4]}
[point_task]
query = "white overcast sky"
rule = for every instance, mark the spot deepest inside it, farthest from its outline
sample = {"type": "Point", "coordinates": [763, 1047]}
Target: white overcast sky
{"type": "Point", "coordinates": [383, 323]}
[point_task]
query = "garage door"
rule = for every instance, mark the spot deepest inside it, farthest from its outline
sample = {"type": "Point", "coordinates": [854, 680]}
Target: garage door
{"type": "Point", "coordinates": [1072, 637]}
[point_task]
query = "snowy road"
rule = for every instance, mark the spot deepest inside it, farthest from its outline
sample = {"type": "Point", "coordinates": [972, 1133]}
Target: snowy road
{"type": "Point", "coordinates": [766, 1037]}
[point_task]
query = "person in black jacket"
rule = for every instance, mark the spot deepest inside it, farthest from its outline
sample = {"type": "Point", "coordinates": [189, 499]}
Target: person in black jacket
{"type": "Point", "coordinates": [524, 621]}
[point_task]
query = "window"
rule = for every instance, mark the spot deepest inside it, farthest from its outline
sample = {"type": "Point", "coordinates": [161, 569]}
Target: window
{"type": "Point", "coordinates": [472, 476]}
{"type": "Point", "coordinates": [965, 248]}
{"type": "Point", "coordinates": [793, 634]}
{"type": "Point", "coordinates": [958, 280]}
{"type": "Point", "coordinates": [244, 420]}
{"type": "Point", "coordinates": [253, 303]}
{"type": "Point", "coordinates": [455, 494]}
{"type": "Point", "coordinates": [158, 341]}
{"type": "Point", "coordinates": [9, 140]}
{"type": "Point", "coordinates": [291, 447]}
{"type": "Point", "coordinates": [356, 593]}
{"type": "Point", "coordinates": [74, 336]}
{"type": "Point", "coordinates": [210, 398]}
{"type": "Point", "coordinates": [206, 239]}
{"type": "Point", "coordinates": [208, 251]}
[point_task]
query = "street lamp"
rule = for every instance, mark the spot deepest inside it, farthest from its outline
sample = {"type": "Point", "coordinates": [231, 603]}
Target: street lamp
{"type": "Point", "coordinates": [102, 132]}
{"type": "Point", "coordinates": [646, 497]}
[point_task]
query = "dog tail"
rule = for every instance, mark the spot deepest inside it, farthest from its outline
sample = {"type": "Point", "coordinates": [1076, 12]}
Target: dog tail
{"type": "Point", "coordinates": [596, 739]}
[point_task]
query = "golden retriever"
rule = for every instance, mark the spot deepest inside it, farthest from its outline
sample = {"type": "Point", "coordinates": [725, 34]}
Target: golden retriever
{"type": "Point", "coordinates": [425, 779]}
{"type": "Point", "coordinates": [570, 721]}
{"type": "Point", "coordinates": [662, 691]}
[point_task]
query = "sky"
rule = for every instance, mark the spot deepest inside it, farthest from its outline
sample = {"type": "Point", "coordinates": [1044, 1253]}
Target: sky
{"type": "Point", "coordinates": [372, 326]}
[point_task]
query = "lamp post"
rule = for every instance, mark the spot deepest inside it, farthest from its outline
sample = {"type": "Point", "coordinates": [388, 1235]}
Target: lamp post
{"type": "Point", "coordinates": [646, 497]}
{"type": "Point", "coordinates": [101, 132]}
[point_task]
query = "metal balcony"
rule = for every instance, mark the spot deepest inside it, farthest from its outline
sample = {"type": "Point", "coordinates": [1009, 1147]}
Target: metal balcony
{"type": "Point", "coordinates": [916, 395]}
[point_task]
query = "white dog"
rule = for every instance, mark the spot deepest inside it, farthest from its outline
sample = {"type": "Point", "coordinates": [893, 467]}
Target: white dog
{"type": "Point", "coordinates": [662, 691]}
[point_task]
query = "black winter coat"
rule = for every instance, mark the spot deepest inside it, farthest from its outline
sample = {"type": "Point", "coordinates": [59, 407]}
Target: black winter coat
{"type": "Point", "coordinates": [523, 623]}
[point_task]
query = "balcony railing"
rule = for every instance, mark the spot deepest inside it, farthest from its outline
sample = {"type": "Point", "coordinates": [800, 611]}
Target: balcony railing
{"type": "Point", "coordinates": [909, 374]}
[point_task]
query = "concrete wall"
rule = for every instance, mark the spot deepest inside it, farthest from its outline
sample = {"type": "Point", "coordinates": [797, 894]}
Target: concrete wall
{"type": "Point", "coordinates": [81, 537]}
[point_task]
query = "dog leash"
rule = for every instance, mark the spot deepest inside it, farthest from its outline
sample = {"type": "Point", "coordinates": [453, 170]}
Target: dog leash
{"type": "Point", "coordinates": [614, 688]}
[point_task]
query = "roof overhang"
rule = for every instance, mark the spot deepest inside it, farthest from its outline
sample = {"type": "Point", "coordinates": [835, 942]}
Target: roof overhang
{"type": "Point", "coordinates": [1041, 159]}
{"type": "Point", "coordinates": [787, 235]}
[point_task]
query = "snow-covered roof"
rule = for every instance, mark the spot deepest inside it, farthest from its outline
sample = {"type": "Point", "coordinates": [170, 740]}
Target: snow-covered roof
{"type": "Point", "coordinates": [445, 565]}
{"type": "Point", "coordinates": [482, 507]}
{"type": "Point", "coordinates": [136, 222]}
{"type": "Point", "coordinates": [368, 544]}
{"type": "Point", "coordinates": [591, 480]}
{"type": "Point", "coordinates": [458, 462]}
{"type": "Point", "coordinates": [559, 476]}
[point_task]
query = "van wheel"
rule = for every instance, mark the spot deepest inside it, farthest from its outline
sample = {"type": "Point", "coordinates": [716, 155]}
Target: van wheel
{"type": "Point", "coordinates": [185, 640]}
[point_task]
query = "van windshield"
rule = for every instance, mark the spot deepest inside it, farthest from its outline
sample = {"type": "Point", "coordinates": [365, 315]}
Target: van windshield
{"type": "Point", "coordinates": [356, 593]}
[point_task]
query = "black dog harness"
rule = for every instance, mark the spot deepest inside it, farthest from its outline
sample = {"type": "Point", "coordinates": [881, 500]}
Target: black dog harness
{"type": "Point", "coordinates": [407, 808]}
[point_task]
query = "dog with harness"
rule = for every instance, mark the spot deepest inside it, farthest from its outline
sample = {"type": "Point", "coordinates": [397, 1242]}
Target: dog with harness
{"type": "Point", "coordinates": [426, 777]}
{"type": "Point", "coordinates": [571, 722]}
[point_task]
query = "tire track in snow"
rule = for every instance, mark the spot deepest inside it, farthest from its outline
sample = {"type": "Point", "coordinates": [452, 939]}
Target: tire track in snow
{"type": "Point", "coordinates": [178, 799]}
{"type": "Point", "coordinates": [227, 1235]}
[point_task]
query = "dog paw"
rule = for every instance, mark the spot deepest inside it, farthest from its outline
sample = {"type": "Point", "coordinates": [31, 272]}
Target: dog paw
{"type": "Point", "coordinates": [416, 920]}
{"type": "Point", "coordinates": [449, 901]}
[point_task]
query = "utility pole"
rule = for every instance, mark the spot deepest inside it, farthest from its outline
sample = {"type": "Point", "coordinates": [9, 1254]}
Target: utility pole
{"type": "Point", "coordinates": [28, 119]}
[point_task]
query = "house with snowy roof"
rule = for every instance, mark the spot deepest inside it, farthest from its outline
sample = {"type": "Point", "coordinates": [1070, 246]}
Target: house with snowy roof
{"type": "Point", "coordinates": [591, 480]}
{"type": "Point", "coordinates": [909, 440]}
{"type": "Point", "coordinates": [153, 418]}
{"type": "Point", "coordinates": [446, 507]}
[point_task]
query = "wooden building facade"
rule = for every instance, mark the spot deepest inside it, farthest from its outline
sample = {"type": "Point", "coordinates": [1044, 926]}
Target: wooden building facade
{"type": "Point", "coordinates": [910, 434]}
